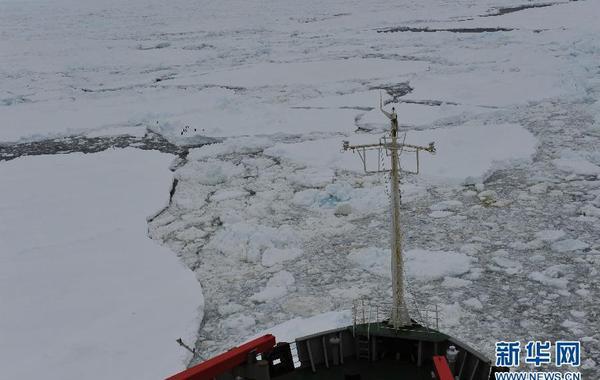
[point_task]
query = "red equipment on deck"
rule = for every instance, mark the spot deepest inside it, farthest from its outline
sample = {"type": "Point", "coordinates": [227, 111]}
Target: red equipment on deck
{"type": "Point", "coordinates": [442, 369]}
{"type": "Point", "coordinates": [209, 369]}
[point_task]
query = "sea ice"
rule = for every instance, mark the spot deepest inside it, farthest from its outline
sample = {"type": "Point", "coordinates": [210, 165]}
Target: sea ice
{"type": "Point", "coordinates": [422, 265]}
{"type": "Point", "coordinates": [550, 235]}
{"type": "Point", "coordinates": [294, 328]}
{"type": "Point", "coordinates": [572, 162]}
{"type": "Point", "coordinates": [468, 151]}
{"type": "Point", "coordinates": [277, 287]}
{"type": "Point", "coordinates": [569, 245]}
{"type": "Point", "coordinates": [91, 289]}
{"type": "Point", "coordinates": [272, 256]}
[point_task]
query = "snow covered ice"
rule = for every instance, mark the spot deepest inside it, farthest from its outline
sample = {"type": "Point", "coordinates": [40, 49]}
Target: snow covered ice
{"type": "Point", "coordinates": [279, 228]}
{"type": "Point", "coordinates": [85, 293]}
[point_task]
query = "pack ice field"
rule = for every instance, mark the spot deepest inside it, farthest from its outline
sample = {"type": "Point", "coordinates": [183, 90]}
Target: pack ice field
{"type": "Point", "coordinates": [177, 168]}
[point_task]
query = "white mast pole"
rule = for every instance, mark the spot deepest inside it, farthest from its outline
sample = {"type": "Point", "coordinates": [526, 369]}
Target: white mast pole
{"type": "Point", "coordinates": [399, 315]}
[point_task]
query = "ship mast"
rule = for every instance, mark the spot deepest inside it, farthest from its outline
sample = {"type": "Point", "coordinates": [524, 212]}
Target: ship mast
{"type": "Point", "coordinates": [399, 314]}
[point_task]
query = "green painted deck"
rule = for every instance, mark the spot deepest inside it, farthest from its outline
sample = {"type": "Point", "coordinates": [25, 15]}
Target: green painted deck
{"type": "Point", "coordinates": [380, 370]}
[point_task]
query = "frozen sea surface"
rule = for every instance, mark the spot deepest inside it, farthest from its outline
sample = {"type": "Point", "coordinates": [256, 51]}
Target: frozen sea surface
{"type": "Point", "coordinates": [85, 293]}
{"type": "Point", "coordinates": [509, 91]}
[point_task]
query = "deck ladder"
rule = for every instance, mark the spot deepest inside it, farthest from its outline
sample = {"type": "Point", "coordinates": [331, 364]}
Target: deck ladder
{"type": "Point", "coordinates": [363, 347]}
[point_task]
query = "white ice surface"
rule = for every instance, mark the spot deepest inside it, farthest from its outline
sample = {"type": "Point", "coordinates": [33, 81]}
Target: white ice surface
{"type": "Point", "coordinates": [421, 264]}
{"type": "Point", "coordinates": [550, 235]}
{"type": "Point", "coordinates": [487, 88]}
{"type": "Point", "coordinates": [468, 151]}
{"type": "Point", "coordinates": [272, 256]}
{"type": "Point", "coordinates": [277, 287]}
{"type": "Point", "coordinates": [122, 68]}
{"type": "Point", "coordinates": [254, 238]}
{"type": "Point", "coordinates": [569, 245]}
{"type": "Point", "coordinates": [85, 293]}
{"type": "Point", "coordinates": [298, 327]}
{"type": "Point", "coordinates": [414, 114]}
{"type": "Point", "coordinates": [572, 162]}
{"type": "Point", "coordinates": [312, 73]}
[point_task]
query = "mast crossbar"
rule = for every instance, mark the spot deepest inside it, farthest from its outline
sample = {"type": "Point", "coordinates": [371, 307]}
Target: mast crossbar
{"type": "Point", "coordinates": [388, 145]}
{"type": "Point", "coordinates": [362, 149]}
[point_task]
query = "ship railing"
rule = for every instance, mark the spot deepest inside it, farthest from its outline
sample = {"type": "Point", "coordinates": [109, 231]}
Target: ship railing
{"type": "Point", "coordinates": [367, 312]}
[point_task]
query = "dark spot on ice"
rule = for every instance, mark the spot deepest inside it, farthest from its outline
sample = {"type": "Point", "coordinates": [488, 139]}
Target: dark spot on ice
{"type": "Point", "coordinates": [235, 89]}
{"type": "Point", "coordinates": [397, 57]}
{"type": "Point", "coordinates": [173, 189]}
{"type": "Point", "coordinates": [107, 89]}
{"type": "Point", "coordinates": [165, 77]}
{"type": "Point", "coordinates": [505, 10]}
{"type": "Point", "coordinates": [358, 108]}
{"type": "Point", "coordinates": [83, 144]}
{"type": "Point", "coordinates": [309, 108]}
{"type": "Point", "coordinates": [199, 47]}
{"type": "Point", "coordinates": [171, 194]}
{"type": "Point", "coordinates": [15, 100]}
{"type": "Point", "coordinates": [396, 90]}
{"type": "Point", "coordinates": [451, 30]}
{"type": "Point", "coordinates": [433, 103]}
{"type": "Point", "coordinates": [308, 20]}
{"type": "Point", "coordinates": [160, 45]}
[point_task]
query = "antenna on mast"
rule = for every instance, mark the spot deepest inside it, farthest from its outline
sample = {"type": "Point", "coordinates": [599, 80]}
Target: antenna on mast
{"type": "Point", "coordinates": [390, 146]}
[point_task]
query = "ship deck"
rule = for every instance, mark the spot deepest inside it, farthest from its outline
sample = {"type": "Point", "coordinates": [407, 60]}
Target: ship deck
{"type": "Point", "coordinates": [414, 332]}
{"type": "Point", "coordinates": [380, 370]}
